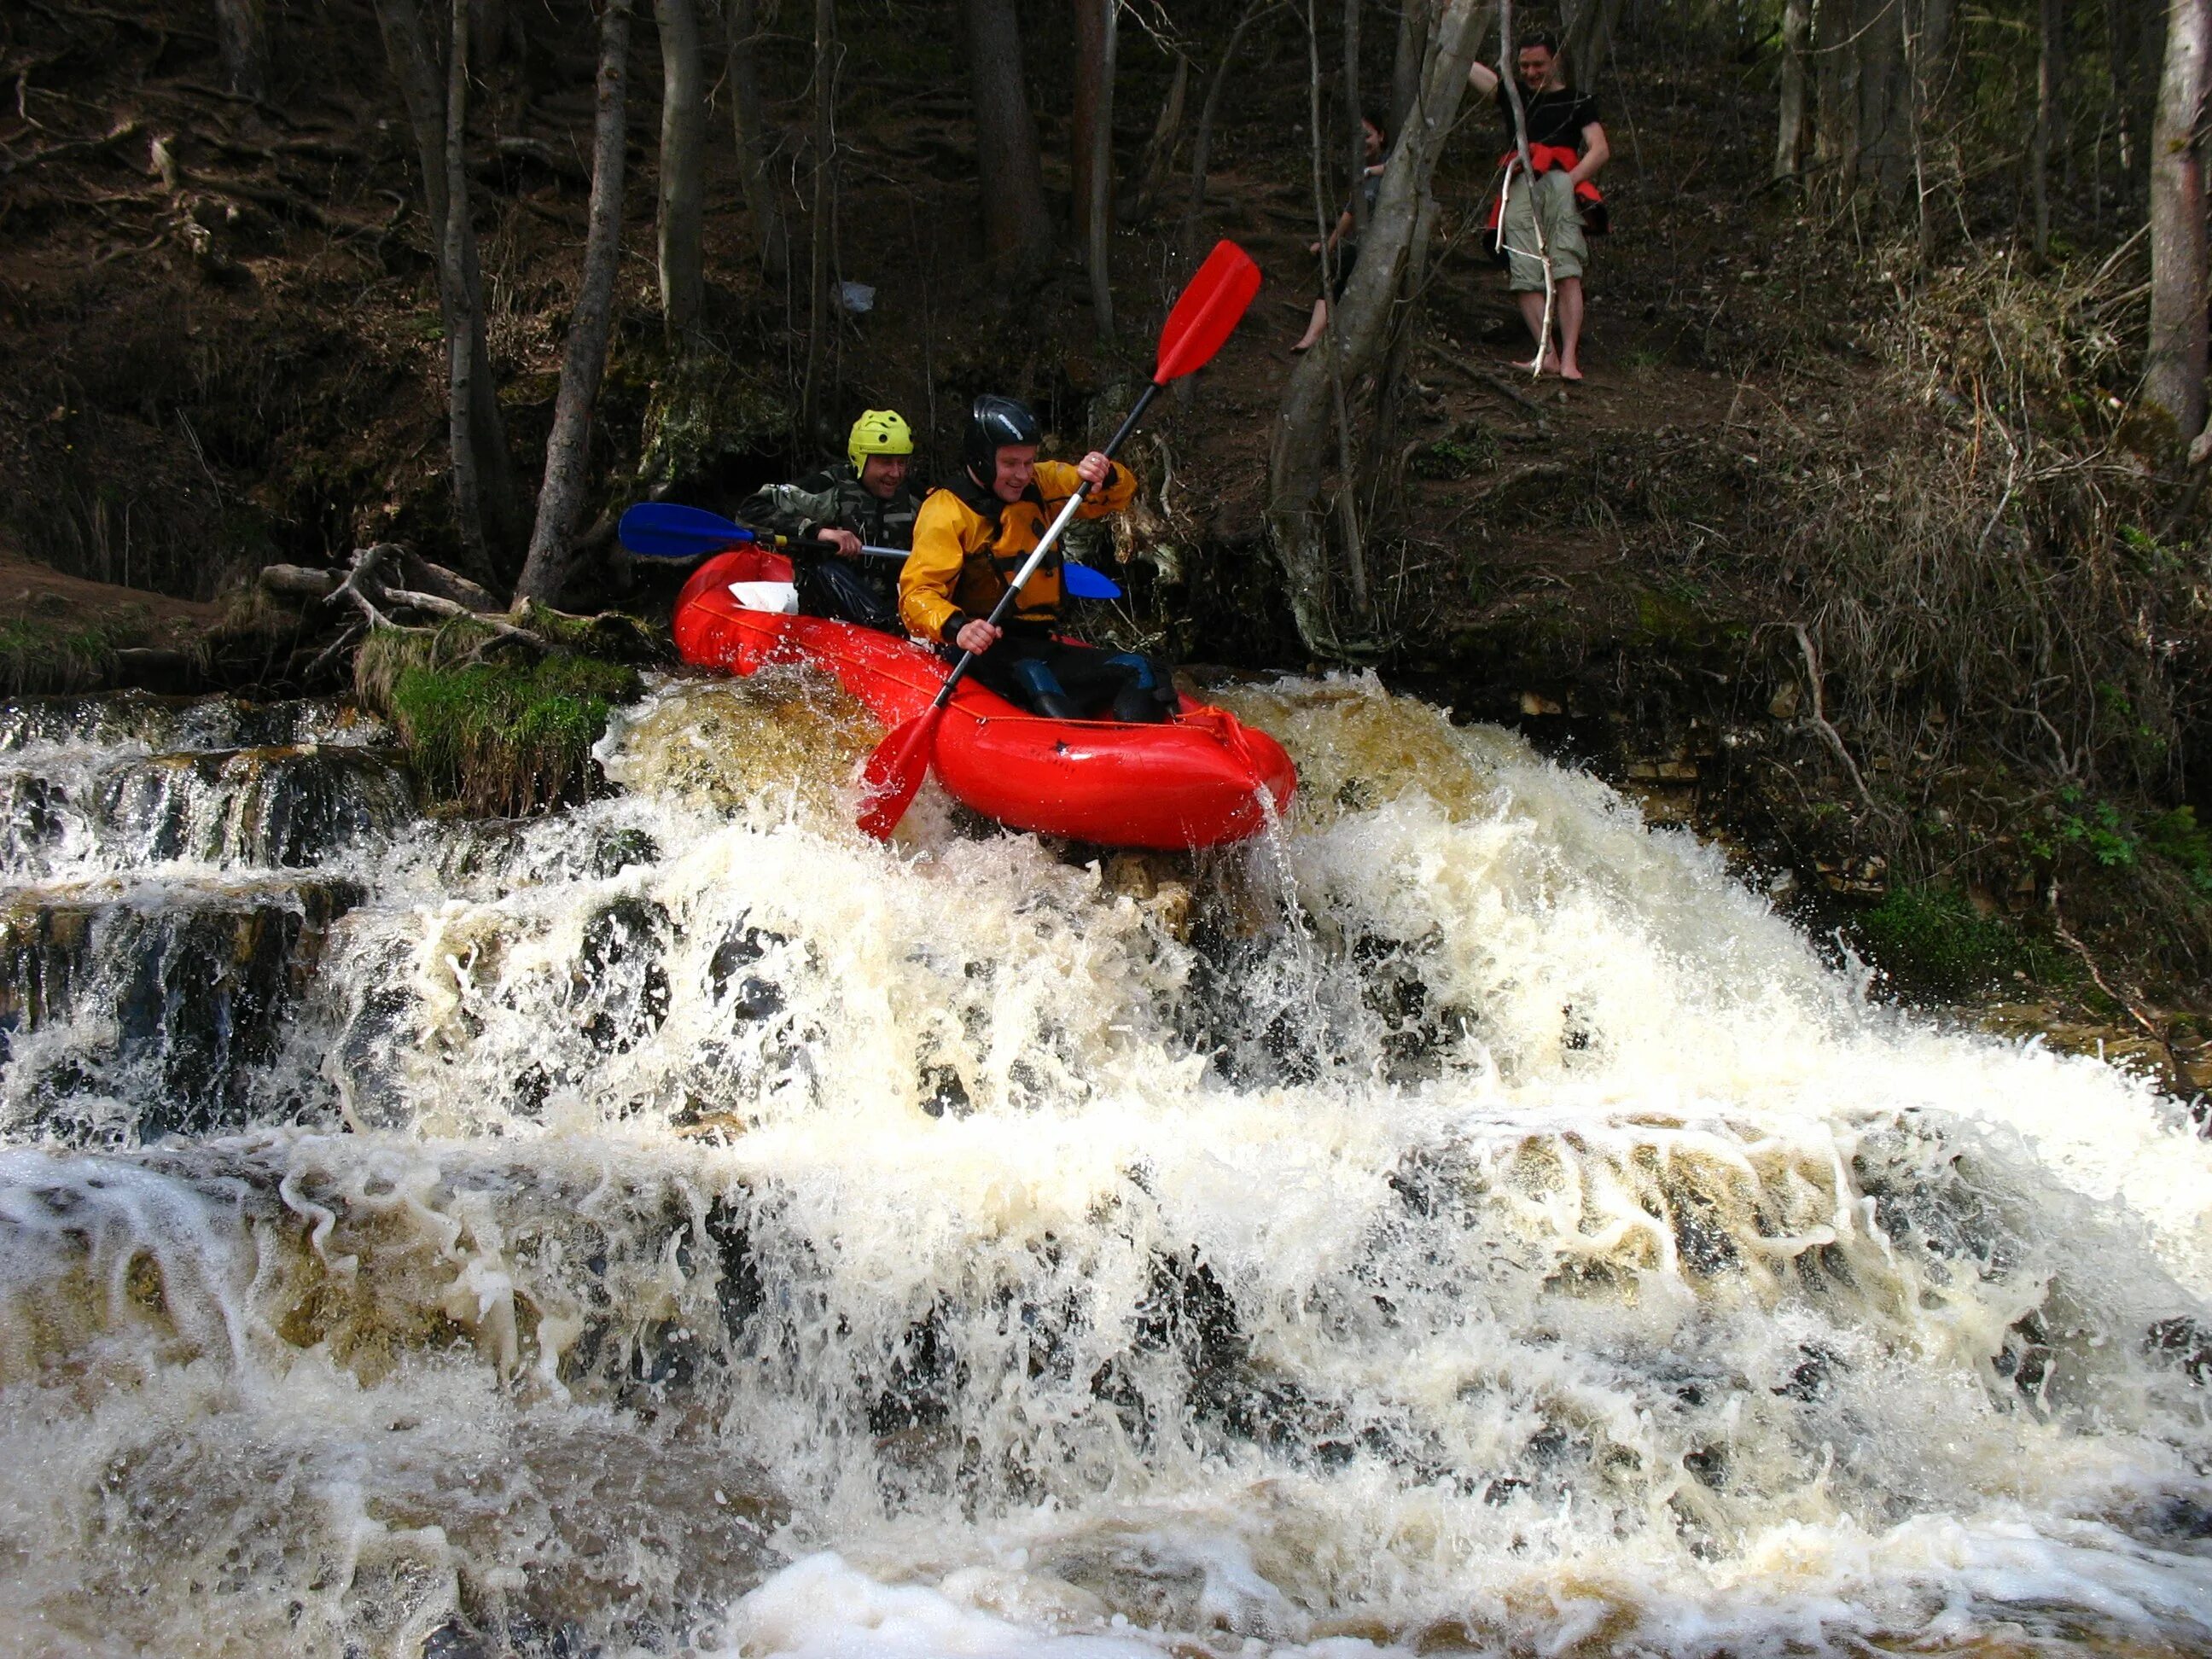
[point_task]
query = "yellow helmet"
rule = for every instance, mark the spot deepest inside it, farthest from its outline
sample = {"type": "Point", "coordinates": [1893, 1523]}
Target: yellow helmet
{"type": "Point", "coordinates": [878, 432]}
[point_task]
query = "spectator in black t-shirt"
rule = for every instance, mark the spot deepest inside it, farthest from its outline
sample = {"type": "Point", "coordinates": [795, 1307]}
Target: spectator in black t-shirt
{"type": "Point", "coordinates": [1347, 244]}
{"type": "Point", "coordinates": [1566, 146]}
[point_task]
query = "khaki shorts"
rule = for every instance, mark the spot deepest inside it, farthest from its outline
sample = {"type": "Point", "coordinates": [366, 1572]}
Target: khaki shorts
{"type": "Point", "coordinates": [1563, 231]}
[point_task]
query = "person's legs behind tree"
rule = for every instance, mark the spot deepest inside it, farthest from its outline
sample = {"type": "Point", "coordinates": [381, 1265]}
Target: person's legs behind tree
{"type": "Point", "coordinates": [1566, 249]}
{"type": "Point", "coordinates": [831, 586]}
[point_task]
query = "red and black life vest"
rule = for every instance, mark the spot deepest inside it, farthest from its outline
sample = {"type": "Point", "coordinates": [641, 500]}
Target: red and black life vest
{"type": "Point", "coordinates": [1543, 158]}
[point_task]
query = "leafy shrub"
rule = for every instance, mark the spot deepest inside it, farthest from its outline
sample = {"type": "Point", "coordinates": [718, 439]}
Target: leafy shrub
{"type": "Point", "coordinates": [1931, 939]}
{"type": "Point", "coordinates": [2177, 837]}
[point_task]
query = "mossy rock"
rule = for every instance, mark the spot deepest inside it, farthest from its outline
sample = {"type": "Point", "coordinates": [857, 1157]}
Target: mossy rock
{"type": "Point", "coordinates": [499, 738]}
{"type": "Point", "coordinates": [703, 409]}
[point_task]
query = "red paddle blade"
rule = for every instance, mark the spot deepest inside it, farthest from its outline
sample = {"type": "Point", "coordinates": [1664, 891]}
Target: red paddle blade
{"type": "Point", "coordinates": [894, 773]}
{"type": "Point", "coordinates": [1212, 306]}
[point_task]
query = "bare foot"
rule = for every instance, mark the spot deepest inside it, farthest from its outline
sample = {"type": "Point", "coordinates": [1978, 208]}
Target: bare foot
{"type": "Point", "coordinates": [1569, 370]}
{"type": "Point", "coordinates": [1550, 365]}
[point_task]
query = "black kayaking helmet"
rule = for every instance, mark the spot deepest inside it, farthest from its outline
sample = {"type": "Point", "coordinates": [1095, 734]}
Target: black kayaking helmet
{"type": "Point", "coordinates": [993, 423]}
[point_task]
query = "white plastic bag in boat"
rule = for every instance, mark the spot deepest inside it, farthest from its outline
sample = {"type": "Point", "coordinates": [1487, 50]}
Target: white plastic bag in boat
{"type": "Point", "coordinates": [781, 596]}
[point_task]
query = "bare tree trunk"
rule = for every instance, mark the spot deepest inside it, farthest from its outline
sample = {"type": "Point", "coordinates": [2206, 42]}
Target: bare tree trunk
{"type": "Point", "coordinates": [487, 34]}
{"type": "Point", "coordinates": [1587, 39]}
{"type": "Point", "coordinates": [1405, 62]}
{"type": "Point", "coordinates": [1097, 37]}
{"type": "Point", "coordinates": [761, 201]}
{"type": "Point", "coordinates": [1510, 86]}
{"type": "Point", "coordinates": [1324, 205]}
{"type": "Point", "coordinates": [1790, 129]}
{"type": "Point", "coordinates": [1017, 231]}
{"type": "Point", "coordinates": [461, 342]}
{"type": "Point", "coordinates": [683, 170]}
{"type": "Point", "coordinates": [1201, 142]}
{"type": "Point", "coordinates": [1882, 147]}
{"type": "Point", "coordinates": [1159, 149]}
{"type": "Point", "coordinates": [1355, 113]}
{"type": "Point", "coordinates": [2120, 87]}
{"type": "Point", "coordinates": [1296, 520]}
{"type": "Point", "coordinates": [1836, 135]}
{"type": "Point", "coordinates": [1926, 28]}
{"type": "Point", "coordinates": [2174, 374]}
{"type": "Point", "coordinates": [1089, 20]}
{"type": "Point", "coordinates": [818, 216]}
{"type": "Point", "coordinates": [584, 359]}
{"type": "Point", "coordinates": [2049, 71]}
{"type": "Point", "coordinates": [242, 29]}
{"type": "Point", "coordinates": [460, 302]}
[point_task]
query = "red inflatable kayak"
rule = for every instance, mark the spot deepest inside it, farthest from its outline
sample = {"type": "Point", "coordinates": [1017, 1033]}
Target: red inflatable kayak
{"type": "Point", "coordinates": [1196, 781]}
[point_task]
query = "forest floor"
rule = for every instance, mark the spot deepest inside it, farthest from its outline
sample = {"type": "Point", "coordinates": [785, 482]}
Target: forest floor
{"type": "Point", "coordinates": [219, 346]}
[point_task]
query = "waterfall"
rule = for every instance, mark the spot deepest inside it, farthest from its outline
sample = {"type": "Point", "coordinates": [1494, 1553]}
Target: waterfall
{"type": "Point", "coordinates": [1464, 1220]}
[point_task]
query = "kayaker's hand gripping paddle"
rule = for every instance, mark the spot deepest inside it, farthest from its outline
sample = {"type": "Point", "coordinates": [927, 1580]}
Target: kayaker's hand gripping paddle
{"type": "Point", "coordinates": [1203, 318]}
{"type": "Point", "coordinates": [667, 530]}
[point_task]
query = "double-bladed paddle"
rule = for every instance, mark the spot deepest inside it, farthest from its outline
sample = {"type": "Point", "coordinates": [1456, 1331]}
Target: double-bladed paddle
{"type": "Point", "coordinates": [1203, 318]}
{"type": "Point", "coordinates": [667, 530]}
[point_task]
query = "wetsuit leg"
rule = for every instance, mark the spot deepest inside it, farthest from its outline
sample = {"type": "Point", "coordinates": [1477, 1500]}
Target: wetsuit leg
{"type": "Point", "coordinates": [830, 586]}
{"type": "Point", "coordinates": [1148, 693]}
{"type": "Point", "coordinates": [1075, 682]}
{"type": "Point", "coordinates": [1045, 694]}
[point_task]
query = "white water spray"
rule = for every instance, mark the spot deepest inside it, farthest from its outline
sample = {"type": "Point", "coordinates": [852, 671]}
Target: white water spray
{"type": "Point", "coordinates": [1467, 1220]}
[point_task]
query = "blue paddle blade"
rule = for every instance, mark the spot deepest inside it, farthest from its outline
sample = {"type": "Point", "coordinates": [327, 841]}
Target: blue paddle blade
{"type": "Point", "coordinates": [662, 530]}
{"type": "Point", "coordinates": [1085, 583]}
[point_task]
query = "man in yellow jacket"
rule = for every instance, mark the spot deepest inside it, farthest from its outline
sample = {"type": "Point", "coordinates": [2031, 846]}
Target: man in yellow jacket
{"type": "Point", "coordinates": [971, 537]}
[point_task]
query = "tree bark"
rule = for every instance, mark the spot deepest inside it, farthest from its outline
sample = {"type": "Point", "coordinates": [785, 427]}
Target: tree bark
{"type": "Point", "coordinates": [1927, 24]}
{"type": "Point", "coordinates": [242, 30]}
{"type": "Point", "coordinates": [1098, 244]}
{"type": "Point", "coordinates": [2050, 73]}
{"type": "Point", "coordinates": [1587, 39]}
{"type": "Point", "coordinates": [567, 450]}
{"type": "Point", "coordinates": [1882, 147]}
{"type": "Point", "coordinates": [463, 352]}
{"type": "Point", "coordinates": [1091, 74]}
{"type": "Point", "coordinates": [1201, 142]}
{"type": "Point", "coordinates": [1355, 118]}
{"type": "Point", "coordinates": [1790, 130]}
{"type": "Point", "coordinates": [488, 23]}
{"type": "Point", "coordinates": [682, 171]}
{"type": "Point", "coordinates": [1016, 232]}
{"type": "Point", "coordinates": [1296, 518]}
{"type": "Point", "coordinates": [2173, 373]}
{"type": "Point", "coordinates": [761, 200]}
{"type": "Point", "coordinates": [461, 304]}
{"type": "Point", "coordinates": [1159, 149]}
{"type": "Point", "coordinates": [1405, 62]}
{"type": "Point", "coordinates": [821, 209]}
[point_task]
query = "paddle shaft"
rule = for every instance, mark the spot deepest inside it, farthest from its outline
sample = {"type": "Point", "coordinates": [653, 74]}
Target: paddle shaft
{"type": "Point", "coordinates": [1044, 546]}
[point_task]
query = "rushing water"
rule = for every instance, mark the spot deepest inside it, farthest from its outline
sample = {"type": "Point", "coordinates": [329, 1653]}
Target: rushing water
{"type": "Point", "coordinates": [1466, 1220]}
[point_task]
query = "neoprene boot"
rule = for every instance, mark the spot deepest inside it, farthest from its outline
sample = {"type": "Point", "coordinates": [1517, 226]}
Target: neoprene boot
{"type": "Point", "coordinates": [1146, 695]}
{"type": "Point", "coordinates": [1046, 693]}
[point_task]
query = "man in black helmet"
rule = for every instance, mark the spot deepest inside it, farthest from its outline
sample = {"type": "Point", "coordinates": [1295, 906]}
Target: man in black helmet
{"type": "Point", "coordinates": [972, 536]}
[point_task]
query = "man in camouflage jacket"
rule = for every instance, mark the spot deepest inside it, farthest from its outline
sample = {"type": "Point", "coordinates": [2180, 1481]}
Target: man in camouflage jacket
{"type": "Point", "coordinates": [862, 501]}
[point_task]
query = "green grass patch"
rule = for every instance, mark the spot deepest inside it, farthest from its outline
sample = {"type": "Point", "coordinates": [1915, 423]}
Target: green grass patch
{"type": "Point", "coordinates": [39, 654]}
{"type": "Point", "coordinates": [501, 738]}
{"type": "Point", "coordinates": [1932, 939]}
